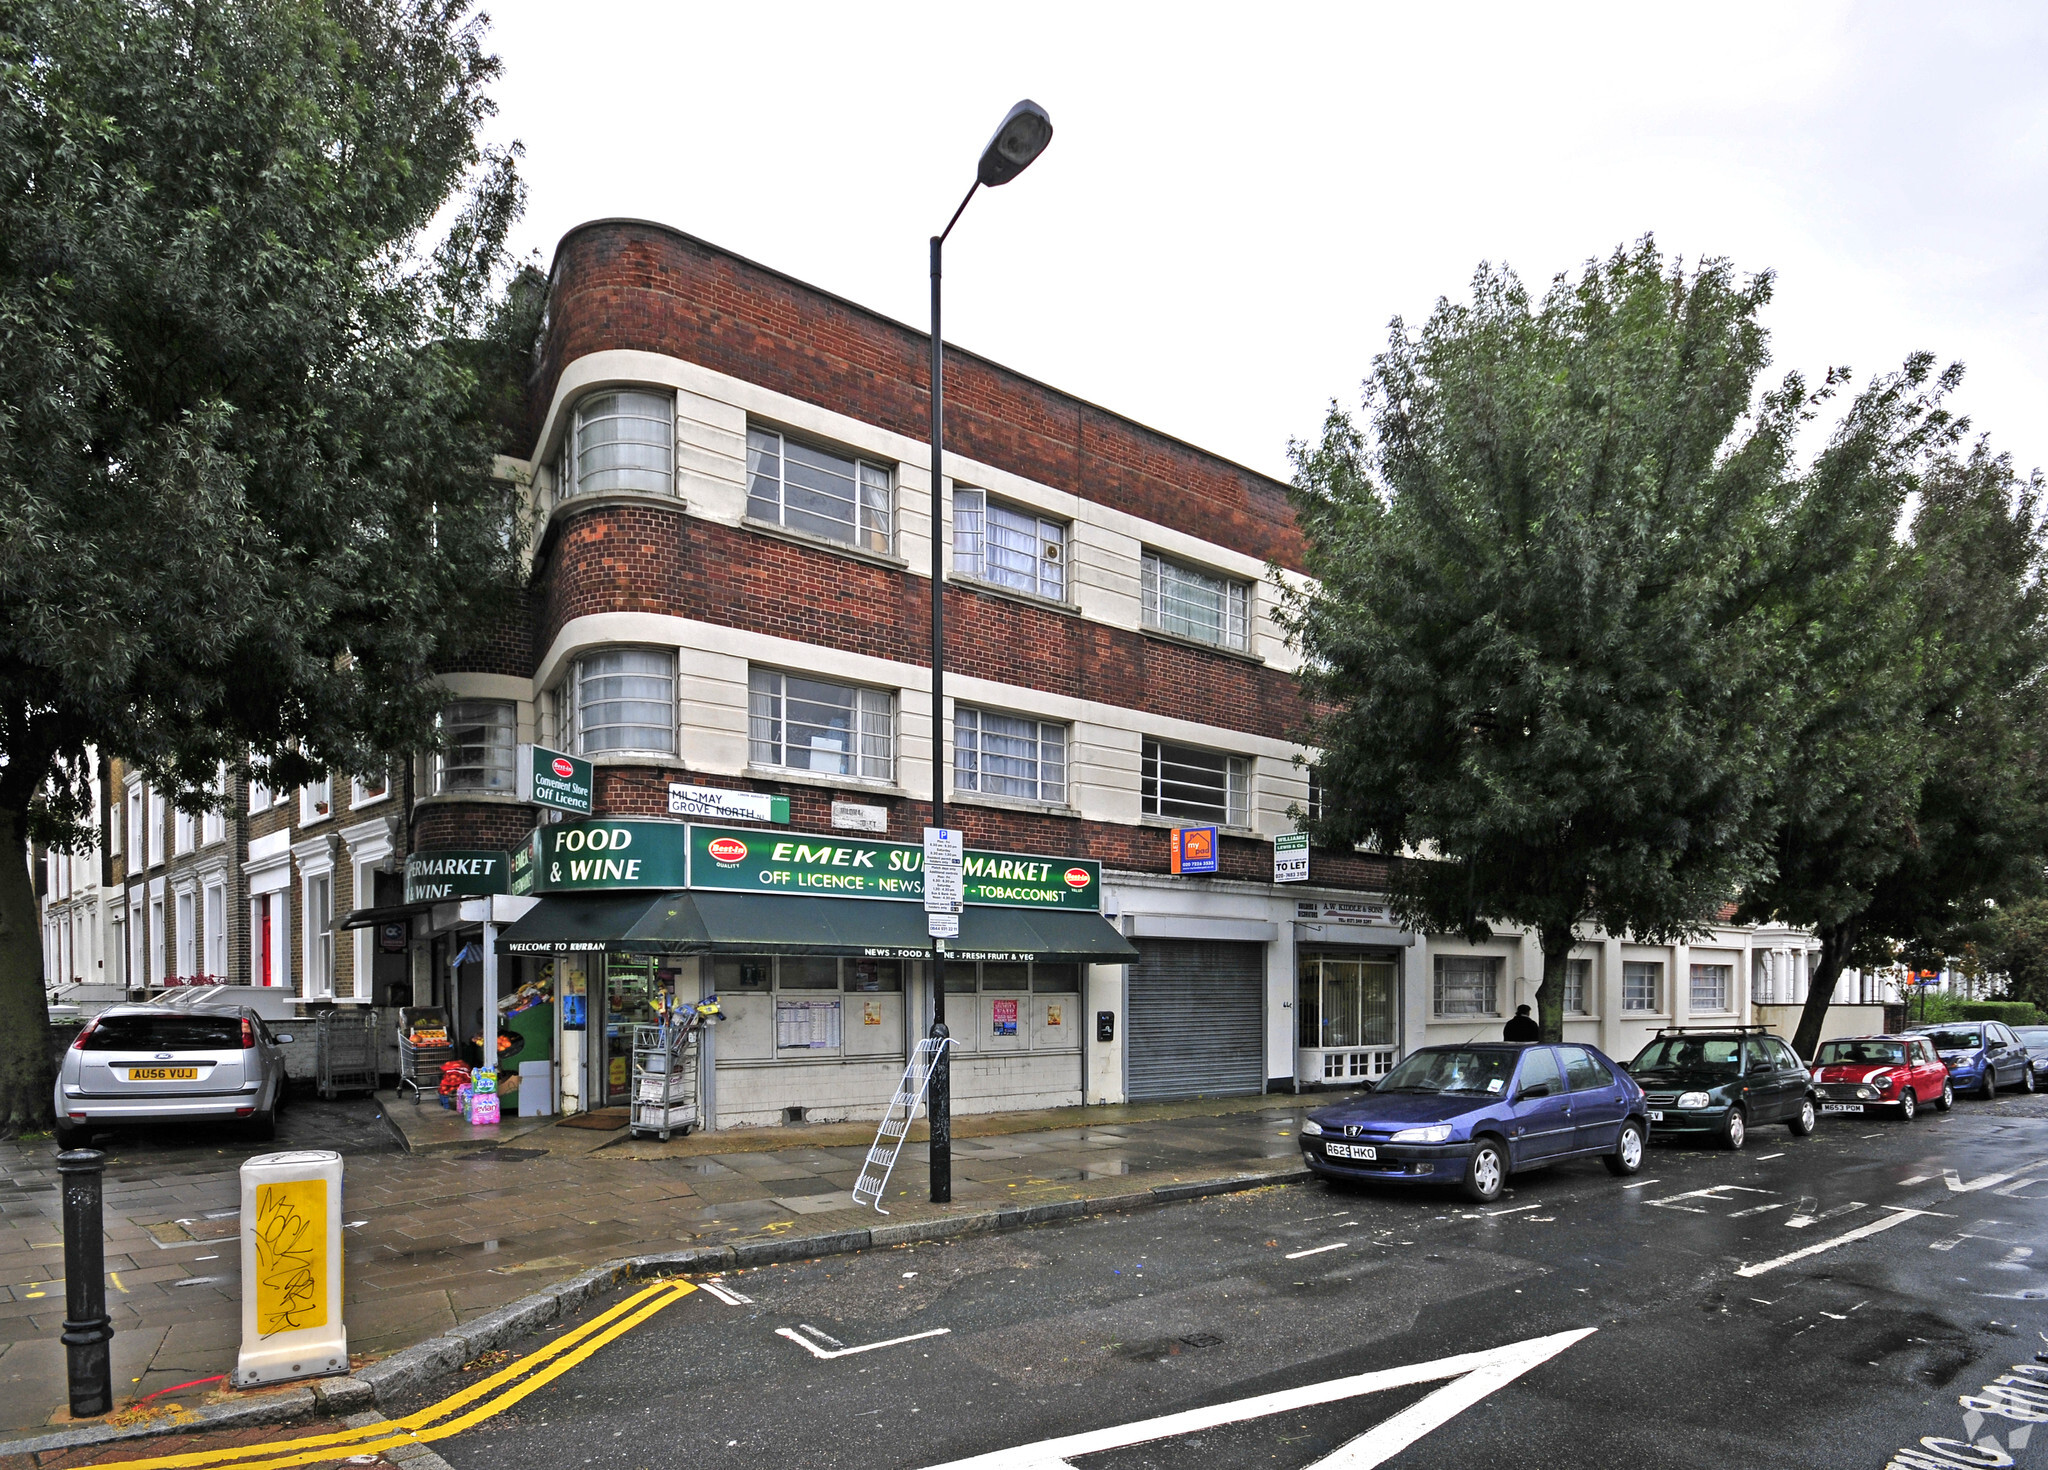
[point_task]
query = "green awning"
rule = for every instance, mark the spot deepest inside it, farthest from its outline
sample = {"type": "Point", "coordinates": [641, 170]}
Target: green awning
{"type": "Point", "coordinates": [782, 923]}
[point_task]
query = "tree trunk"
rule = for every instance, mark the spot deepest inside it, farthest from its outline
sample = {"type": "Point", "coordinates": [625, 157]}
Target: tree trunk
{"type": "Point", "coordinates": [1557, 941]}
{"type": "Point", "coordinates": [1836, 940]}
{"type": "Point", "coordinates": [25, 1074]}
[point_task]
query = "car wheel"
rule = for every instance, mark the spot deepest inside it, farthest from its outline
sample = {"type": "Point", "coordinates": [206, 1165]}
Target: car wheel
{"type": "Point", "coordinates": [1628, 1149]}
{"type": "Point", "coordinates": [70, 1135]}
{"type": "Point", "coordinates": [1802, 1121]}
{"type": "Point", "coordinates": [1487, 1171]}
{"type": "Point", "coordinates": [1947, 1099]}
{"type": "Point", "coordinates": [2027, 1078]}
{"type": "Point", "coordinates": [1734, 1131]}
{"type": "Point", "coordinates": [1909, 1105]}
{"type": "Point", "coordinates": [263, 1127]}
{"type": "Point", "coordinates": [1988, 1088]}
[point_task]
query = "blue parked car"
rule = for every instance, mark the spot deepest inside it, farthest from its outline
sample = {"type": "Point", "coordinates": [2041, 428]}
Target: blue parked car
{"type": "Point", "coordinates": [1475, 1113]}
{"type": "Point", "coordinates": [1981, 1056]}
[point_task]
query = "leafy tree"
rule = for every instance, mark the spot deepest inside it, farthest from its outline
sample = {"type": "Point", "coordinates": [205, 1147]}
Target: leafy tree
{"type": "Point", "coordinates": [246, 408]}
{"type": "Point", "coordinates": [2016, 946]}
{"type": "Point", "coordinates": [1549, 619]}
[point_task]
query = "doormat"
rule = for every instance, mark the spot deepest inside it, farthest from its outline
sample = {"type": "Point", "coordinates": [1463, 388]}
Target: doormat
{"type": "Point", "coordinates": [605, 1120]}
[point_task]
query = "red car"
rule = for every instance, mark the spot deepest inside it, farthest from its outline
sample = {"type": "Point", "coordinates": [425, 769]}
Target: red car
{"type": "Point", "coordinates": [1855, 1074]}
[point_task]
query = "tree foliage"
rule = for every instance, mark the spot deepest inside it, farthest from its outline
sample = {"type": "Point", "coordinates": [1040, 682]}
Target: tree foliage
{"type": "Point", "coordinates": [253, 348]}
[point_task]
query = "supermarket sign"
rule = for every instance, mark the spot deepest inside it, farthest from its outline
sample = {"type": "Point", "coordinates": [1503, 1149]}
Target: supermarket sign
{"type": "Point", "coordinates": [433, 876]}
{"type": "Point", "coordinates": [599, 854]}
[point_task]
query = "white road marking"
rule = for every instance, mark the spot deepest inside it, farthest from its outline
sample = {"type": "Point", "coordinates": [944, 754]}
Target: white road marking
{"type": "Point", "coordinates": [1297, 1255]}
{"type": "Point", "coordinates": [1956, 1185]}
{"type": "Point", "coordinates": [1973, 1232]}
{"type": "Point", "coordinates": [1641, 1184]}
{"type": "Point", "coordinates": [1917, 1179]}
{"type": "Point", "coordinates": [1713, 1192]}
{"type": "Point", "coordinates": [817, 1352]}
{"type": "Point", "coordinates": [1475, 1376]}
{"type": "Point", "coordinates": [726, 1294]}
{"type": "Point", "coordinates": [1900, 1218]}
{"type": "Point", "coordinates": [1766, 1158]}
{"type": "Point", "coordinates": [2012, 1190]}
{"type": "Point", "coordinates": [1496, 1214]}
{"type": "Point", "coordinates": [1759, 1209]}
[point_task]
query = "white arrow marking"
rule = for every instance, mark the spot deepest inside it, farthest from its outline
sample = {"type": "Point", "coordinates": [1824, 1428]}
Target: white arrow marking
{"type": "Point", "coordinates": [817, 1352]}
{"type": "Point", "coordinates": [1477, 1375]}
{"type": "Point", "coordinates": [1713, 1192]}
{"type": "Point", "coordinates": [726, 1294]}
{"type": "Point", "coordinates": [1827, 1245]}
{"type": "Point", "coordinates": [1956, 1185]}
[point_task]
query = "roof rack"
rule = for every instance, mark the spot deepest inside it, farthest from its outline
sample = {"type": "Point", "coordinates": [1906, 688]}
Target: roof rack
{"type": "Point", "coordinates": [1714, 1030]}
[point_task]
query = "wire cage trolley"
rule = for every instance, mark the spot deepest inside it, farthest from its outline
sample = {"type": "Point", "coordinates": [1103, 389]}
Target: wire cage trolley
{"type": "Point", "coordinates": [347, 1052]}
{"type": "Point", "coordinates": [665, 1071]}
{"type": "Point", "coordinates": [419, 1065]}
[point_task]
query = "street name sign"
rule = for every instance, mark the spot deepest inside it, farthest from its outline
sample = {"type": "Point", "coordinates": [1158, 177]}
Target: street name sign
{"type": "Point", "coordinates": [685, 800]}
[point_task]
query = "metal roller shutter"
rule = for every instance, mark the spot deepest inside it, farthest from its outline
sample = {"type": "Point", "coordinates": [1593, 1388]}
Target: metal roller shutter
{"type": "Point", "coordinates": [1196, 1019]}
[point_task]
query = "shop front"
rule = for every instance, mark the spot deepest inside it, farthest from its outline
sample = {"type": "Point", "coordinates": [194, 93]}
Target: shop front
{"type": "Point", "coordinates": [817, 951]}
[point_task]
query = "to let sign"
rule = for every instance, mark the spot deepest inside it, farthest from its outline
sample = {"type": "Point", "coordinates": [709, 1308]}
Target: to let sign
{"type": "Point", "coordinates": [551, 779]}
{"type": "Point", "coordinates": [1290, 857]}
{"type": "Point", "coordinates": [1194, 850]}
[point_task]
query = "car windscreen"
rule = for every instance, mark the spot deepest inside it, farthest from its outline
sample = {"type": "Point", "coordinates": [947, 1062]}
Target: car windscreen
{"type": "Point", "coordinates": [1710, 1054]}
{"type": "Point", "coordinates": [1859, 1053]}
{"type": "Point", "coordinates": [1485, 1073]}
{"type": "Point", "coordinates": [1960, 1038]}
{"type": "Point", "coordinates": [2032, 1035]}
{"type": "Point", "coordinates": [166, 1033]}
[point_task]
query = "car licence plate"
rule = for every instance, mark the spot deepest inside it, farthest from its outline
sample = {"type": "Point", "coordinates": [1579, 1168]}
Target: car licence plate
{"type": "Point", "coordinates": [1351, 1151]}
{"type": "Point", "coordinates": [1656, 1116]}
{"type": "Point", "coordinates": [163, 1074]}
{"type": "Point", "coordinates": [1841, 1107]}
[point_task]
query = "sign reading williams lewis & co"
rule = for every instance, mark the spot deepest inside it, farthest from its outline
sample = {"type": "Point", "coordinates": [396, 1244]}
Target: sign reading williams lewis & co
{"type": "Point", "coordinates": [433, 876]}
{"type": "Point", "coordinates": [551, 779]}
{"type": "Point", "coordinates": [750, 861]}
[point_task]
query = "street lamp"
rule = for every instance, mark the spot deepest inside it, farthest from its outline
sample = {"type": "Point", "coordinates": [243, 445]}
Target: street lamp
{"type": "Point", "coordinates": [1022, 137]}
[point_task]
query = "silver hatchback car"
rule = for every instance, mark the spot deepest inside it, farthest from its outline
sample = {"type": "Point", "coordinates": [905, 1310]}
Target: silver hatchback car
{"type": "Point", "coordinates": [137, 1064]}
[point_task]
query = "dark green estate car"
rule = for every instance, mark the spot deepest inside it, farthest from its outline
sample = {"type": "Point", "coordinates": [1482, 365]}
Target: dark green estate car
{"type": "Point", "coordinates": [1721, 1082]}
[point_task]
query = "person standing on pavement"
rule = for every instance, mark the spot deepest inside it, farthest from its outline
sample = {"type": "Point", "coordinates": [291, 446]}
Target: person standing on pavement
{"type": "Point", "coordinates": [1521, 1026]}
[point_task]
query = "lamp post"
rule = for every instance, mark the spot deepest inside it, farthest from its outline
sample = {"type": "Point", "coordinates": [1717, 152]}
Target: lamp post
{"type": "Point", "coordinates": [1022, 137]}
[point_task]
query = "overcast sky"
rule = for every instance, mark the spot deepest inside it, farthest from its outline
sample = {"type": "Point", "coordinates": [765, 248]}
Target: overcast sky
{"type": "Point", "coordinates": [1238, 200]}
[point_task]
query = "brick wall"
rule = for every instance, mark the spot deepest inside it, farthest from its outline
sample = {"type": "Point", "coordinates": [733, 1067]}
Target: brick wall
{"type": "Point", "coordinates": [473, 825]}
{"type": "Point", "coordinates": [628, 285]}
{"type": "Point", "coordinates": [635, 558]}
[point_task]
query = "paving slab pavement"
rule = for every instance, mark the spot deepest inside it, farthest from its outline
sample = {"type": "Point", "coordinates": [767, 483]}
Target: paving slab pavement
{"type": "Point", "coordinates": [441, 1236]}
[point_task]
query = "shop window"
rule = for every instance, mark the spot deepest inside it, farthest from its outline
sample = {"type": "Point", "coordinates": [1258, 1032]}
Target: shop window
{"type": "Point", "coordinates": [1578, 984]}
{"type": "Point", "coordinates": [1055, 979]}
{"type": "Point", "coordinates": [1195, 604]}
{"type": "Point", "coordinates": [622, 440]}
{"type": "Point", "coordinates": [739, 975]}
{"type": "Point", "coordinates": [807, 972]}
{"type": "Point", "coordinates": [1018, 549]}
{"type": "Point", "coordinates": [1467, 985]}
{"type": "Point", "coordinates": [873, 977]}
{"type": "Point", "coordinates": [479, 736]}
{"type": "Point", "coordinates": [625, 699]}
{"type": "Point", "coordinates": [1711, 987]}
{"type": "Point", "coordinates": [1642, 985]}
{"type": "Point", "coordinates": [803, 724]}
{"type": "Point", "coordinates": [1200, 785]}
{"type": "Point", "coordinates": [1007, 755]}
{"type": "Point", "coordinates": [818, 492]}
{"type": "Point", "coordinates": [1344, 1002]}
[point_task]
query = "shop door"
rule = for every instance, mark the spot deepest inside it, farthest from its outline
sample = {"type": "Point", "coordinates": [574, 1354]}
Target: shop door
{"type": "Point", "coordinates": [1196, 1020]}
{"type": "Point", "coordinates": [629, 989]}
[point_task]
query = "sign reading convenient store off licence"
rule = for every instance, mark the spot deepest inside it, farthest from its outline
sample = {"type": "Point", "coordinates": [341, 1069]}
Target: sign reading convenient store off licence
{"type": "Point", "coordinates": [551, 779]}
{"type": "Point", "coordinates": [751, 861]}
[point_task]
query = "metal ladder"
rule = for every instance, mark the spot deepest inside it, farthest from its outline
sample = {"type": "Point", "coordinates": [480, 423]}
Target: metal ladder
{"type": "Point", "coordinates": [917, 1077]}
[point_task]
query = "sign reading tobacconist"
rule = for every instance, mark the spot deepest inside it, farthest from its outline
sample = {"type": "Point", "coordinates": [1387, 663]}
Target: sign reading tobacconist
{"type": "Point", "coordinates": [576, 856]}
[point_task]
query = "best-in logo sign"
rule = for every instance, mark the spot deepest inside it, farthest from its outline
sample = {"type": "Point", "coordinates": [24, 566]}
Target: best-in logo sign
{"type": "Point", "coordinates": [1077, 877]}
{"type": "Point", "coordinates": [562, 768]}
{"type": "Point", "coordinates": [728, 850]}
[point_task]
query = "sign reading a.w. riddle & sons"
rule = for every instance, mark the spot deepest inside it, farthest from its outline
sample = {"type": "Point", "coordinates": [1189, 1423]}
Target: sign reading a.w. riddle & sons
{"type": "Point", "coordinates": [433, 876]}
{"type": "Point", "coordinates": [750, 861]}
{"type": "Point", "coordinates": [604, 854]}
{"type": "Point", "coordinates": [551, 779]}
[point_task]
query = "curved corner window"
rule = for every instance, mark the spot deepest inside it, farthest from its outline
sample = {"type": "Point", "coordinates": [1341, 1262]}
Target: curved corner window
{"type": "Point", "coordinates": [480, 735]}
{"type": "Point", "coordinates": [623, 440]}
{"type": "Point", "coordinates": [625, 699]}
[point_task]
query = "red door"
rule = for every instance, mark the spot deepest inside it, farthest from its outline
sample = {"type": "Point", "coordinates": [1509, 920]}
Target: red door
{"type": "Point", "coordinates": [1929, 1075]}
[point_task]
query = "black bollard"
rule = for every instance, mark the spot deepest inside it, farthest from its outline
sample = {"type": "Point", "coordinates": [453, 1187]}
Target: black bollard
{"type": "Point", "coordinates": [88, 1330]}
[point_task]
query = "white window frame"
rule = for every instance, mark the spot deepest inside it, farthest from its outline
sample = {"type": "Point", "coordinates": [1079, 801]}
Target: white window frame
{"type": "Point", "coordinates": [583, 672]}
{"type": "Point", "coordinates": [573, 478]}
{"type": "Point", "coordinates": [316, 906]}
{"type": "Point", "coordinates": [498, 775]}
{"type": "Point", "coordinates": [136, 968]}
{"type": "Point", "coordinates": [1485, 988]}
{"type": "Point", "coordinates": [1720, 986]}
{"type": "Point", "coordinates": [215, 901]}
{"type": "Point", "coordinates": [977, 517]}
{"type": "Point", "coordinates": [184, 832]}
{"type": "Point", "coordinates": [316, 801]}
{"type": "Point", "coordinates": [153, 821]}
{"type": "Point", "coordinates": [138, 842]}
{"type": "Point", "coordinates": [872, 728]}
{"type": "Point", "coordinates": [360, 796]}
{"type": "Point", "coordinates": [1153, 783]}
{"type": "Point", "coordinates": [1163, 586]}
{"type": "Point", "coordinates": [157, 955]}
{"type": "Point", "coordinates": [261, 798]}
{"type": "Point", "coordinates": [1579, 969]}
{"type": "Point", "coordinates": [970, 755]}
{"type": "Point", "coordinates": [1633, 972]}
{"type": "Point", "coordinates": [868, 527]}
{"type": "Point", "coordinates": [213, 825]}
{"type": "Point", "coordinates": [187, 910]}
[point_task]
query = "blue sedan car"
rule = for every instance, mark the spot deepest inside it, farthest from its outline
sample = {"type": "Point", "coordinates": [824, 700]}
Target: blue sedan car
{"type": "Point", "coordinates": [1473, 1114]}
{"type": "Point", "coordinates": [1981, 1056]}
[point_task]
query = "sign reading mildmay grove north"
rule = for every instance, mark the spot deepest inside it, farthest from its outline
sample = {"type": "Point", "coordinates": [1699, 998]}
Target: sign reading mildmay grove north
{"type": "Point", "coordinates": [433, 876]}
{"type": "Point", "coordinates": [749, 861]}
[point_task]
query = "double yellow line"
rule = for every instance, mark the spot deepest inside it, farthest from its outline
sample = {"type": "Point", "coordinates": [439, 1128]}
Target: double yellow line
{"type": "Point", "coordinates": [447, 1417]}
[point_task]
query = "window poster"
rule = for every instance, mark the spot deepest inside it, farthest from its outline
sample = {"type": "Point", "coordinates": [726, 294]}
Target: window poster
{"type": "Point", "coordinates": [1005, 1012]}
{"type": "Point", "coordinates": [1052, 1015]}
{"type": "Point", "coordinates": [871, 1013]}
{"type": "Point", "coordinates": [806, 1025]}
